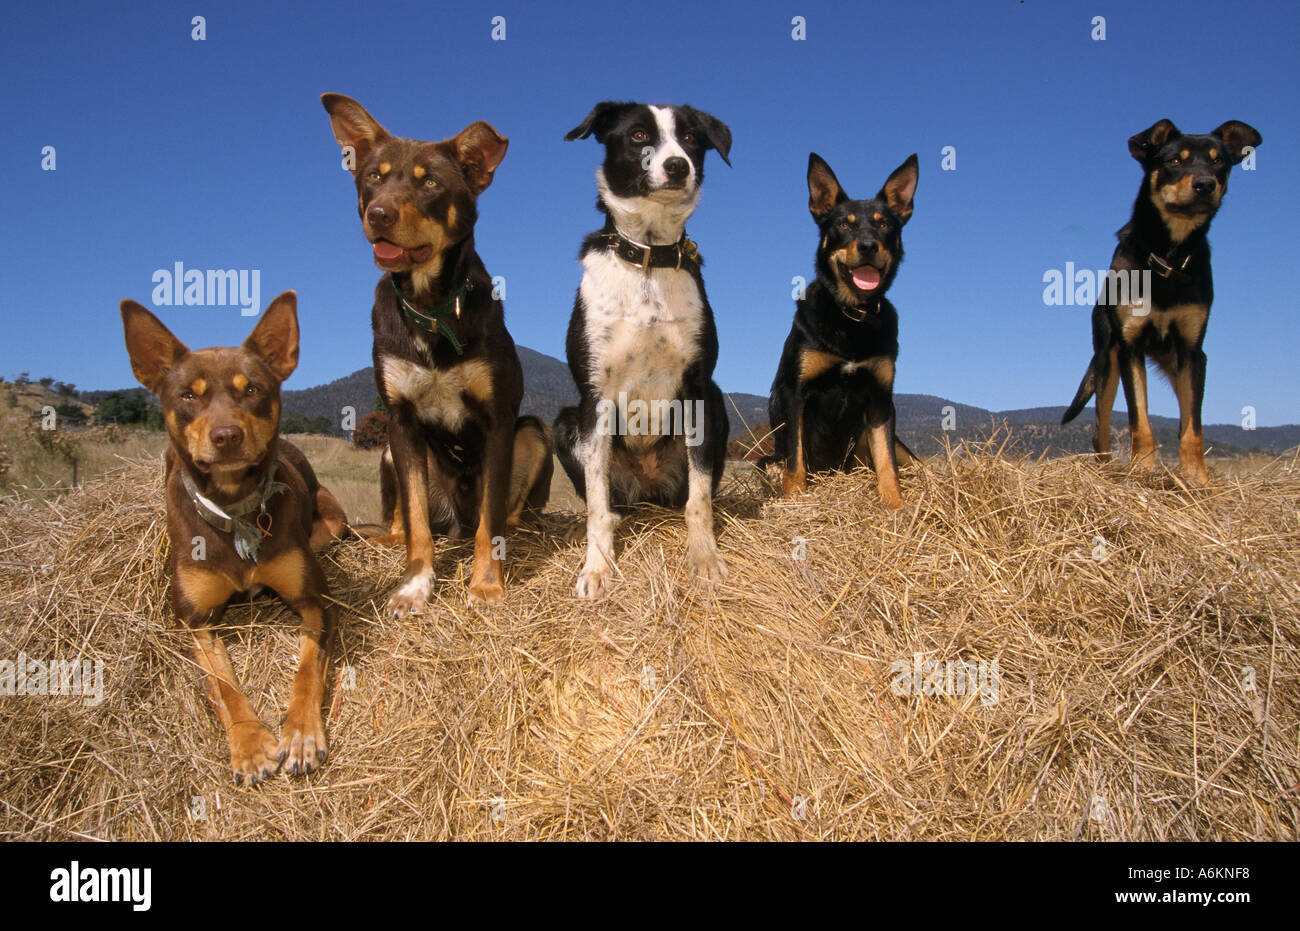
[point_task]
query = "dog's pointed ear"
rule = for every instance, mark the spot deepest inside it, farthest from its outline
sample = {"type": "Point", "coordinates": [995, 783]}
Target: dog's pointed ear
{"type": "Point", "coordinates": [598, 121]}
{"type": "Point", "coordinates": [1146, 143]}
{"type": "Point", "coordinates": [154, 351]}
{"type": "Point", "coordinates": [275, 338]}
{"type": "Point", "coordinates": [353, 127]}
{"type": "Point", "coordinates": [824, 190]}
{"type": "Point", "coordinates": [900, 188]}
{"type": "Point", "coordinates": [479, 149]}
{"type": "Point", "coordinates": [1236, 135]}
{"type": "Point", "coordinates": [716, 132]}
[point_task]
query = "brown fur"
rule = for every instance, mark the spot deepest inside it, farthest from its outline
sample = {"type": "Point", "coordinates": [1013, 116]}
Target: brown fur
{"type": "Point", "coordinates": [222, 410]}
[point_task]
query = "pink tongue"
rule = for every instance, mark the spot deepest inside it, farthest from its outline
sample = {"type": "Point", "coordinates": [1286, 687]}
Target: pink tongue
{"type": "Point", "coordinates": [388, 251]}
{"type": "Point", "coordinates": [866, 277]}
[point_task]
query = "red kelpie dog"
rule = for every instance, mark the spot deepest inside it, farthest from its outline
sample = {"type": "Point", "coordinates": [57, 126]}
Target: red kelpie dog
{"type": "Point", "coordinates": [244, 508]}
{"type": "Point", "coordinates": [460, 459]}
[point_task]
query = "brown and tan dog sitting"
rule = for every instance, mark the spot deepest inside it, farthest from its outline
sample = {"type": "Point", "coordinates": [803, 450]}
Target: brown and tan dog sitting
{"type": "Point", "coordinates": [244, 508]}
{"type": "Point", "coordinates": [460, 459]}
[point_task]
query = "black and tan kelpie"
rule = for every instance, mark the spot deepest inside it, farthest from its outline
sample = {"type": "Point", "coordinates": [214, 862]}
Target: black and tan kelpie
{"type": "Point", "coordinates": [460, 460]}
{"type": "Point", "coordinates": [1184, 178]}
{"type": "Point", "coordinates": [832, 401]}
{"type": "Point", "coordinates": [244, 509]}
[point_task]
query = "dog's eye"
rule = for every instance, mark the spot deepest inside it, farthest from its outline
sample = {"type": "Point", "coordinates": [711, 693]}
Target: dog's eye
{"type": "Point", "coordinates": [689, 138]}
{"type": "Point", "coordinates": [251, 390]}
{"type": "Point", "coordinates": [1218, 160]}
{"type": "Point", "coordinates": [845, 224]}
{"type": "Point", "coordinates": [430, 183]}
{"type": "Point", "coordinates": [1175, 162]}
{"type": "Point", "coordinates": [372, 175]}
{"type": "Point", "coordinates": [187, 396]}
{"type": "Point", "coordinates": [639, 135]}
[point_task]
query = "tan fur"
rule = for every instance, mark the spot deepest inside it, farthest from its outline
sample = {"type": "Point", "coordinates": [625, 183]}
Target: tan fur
{"type": "Point", "coordinates": [814, 362]}
{"type": "Point", "coordinates": [1189, 318]}
{"type": "Point", "coordinates": [1180, 226]}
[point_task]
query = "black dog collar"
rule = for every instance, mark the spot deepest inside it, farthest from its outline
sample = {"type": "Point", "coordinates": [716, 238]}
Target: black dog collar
{"type": "Point", "coordinates": [1165, 269]}
{"type": "Point", "coordinates": [435, 319]}
{"type": "Point", "coordinates": [647, 257]}
{"type": "Point", "coordinates": [863, 312]}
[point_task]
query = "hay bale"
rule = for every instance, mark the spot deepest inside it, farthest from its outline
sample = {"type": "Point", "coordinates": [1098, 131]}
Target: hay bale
{"type": "Point", "coordinates": [1121, 612]}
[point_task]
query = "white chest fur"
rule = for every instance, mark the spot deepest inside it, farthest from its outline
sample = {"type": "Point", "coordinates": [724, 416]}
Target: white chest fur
{"type": "Point", "coordinates": [642, 329]}
{"type": "Point", "coordinates": [438, 395]}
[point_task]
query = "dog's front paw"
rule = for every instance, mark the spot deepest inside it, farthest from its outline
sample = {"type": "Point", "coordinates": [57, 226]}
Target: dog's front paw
{"type": "Point", "coordinates": [793, 484]}
{"type": "Point", "coordinates": [595, 580]}
{"type": "Point", "coordinates": [302, 744]}
{"type": "Point", "coordinates": [411, 596]}
{"type": "Point", "coordinates": [707, 564]}
{"type": "Point", "coordinates": [253, 753]}
{"type": "Point", "coordinates": [486, 592]}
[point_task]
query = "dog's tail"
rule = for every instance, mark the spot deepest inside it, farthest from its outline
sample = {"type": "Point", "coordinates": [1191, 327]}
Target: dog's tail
{"type": "Point", "coordinates": [1087, 388]}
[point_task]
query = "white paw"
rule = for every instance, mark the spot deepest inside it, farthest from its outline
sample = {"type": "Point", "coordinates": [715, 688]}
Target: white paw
{"type": "Point", "coordinates": [595, 580]}
{"type": "Point", "coordinates": [707, 564]}
{"type": "Point", "coordinates": [411, 596]}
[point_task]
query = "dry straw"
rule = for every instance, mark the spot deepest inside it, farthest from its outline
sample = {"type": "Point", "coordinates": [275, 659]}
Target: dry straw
{"type": "Point", "coordinates": [1127, 616]}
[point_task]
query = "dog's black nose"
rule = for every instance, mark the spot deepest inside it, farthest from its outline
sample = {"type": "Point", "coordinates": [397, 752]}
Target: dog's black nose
{"type": "Point", "coordinates": [677, 168]}
{"type": "Point", "coordinates": [867, 247]}
{"type": "Point", "coordinates": [379, 218]}
{"type": "Point", "coordinates": [226, 437]}
{"type": "Point", "coordinates": [1204, 185]}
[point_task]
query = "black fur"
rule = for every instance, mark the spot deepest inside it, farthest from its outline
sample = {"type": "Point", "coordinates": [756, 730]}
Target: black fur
{"type": "Point", "coordinates": [1193, 169]}
{"type": "Point", "coordinates": [850, 330]}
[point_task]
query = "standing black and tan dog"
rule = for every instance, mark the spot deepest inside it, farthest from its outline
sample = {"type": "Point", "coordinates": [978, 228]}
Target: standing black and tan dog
{"type": "Point", "coordinates": [460, 457]}
{"type": "Point", "coordinates": [651, 425]}
{"type": "Point", "coordinates": [832, 402]}
{"type": "Point", "coordinates": [1184, 179]}
{"type": "Point", "coordinates": [244, 508]}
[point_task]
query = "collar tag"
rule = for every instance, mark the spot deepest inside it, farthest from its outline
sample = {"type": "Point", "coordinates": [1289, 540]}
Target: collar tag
{"type": "Point", "coordinates": [247, 536]}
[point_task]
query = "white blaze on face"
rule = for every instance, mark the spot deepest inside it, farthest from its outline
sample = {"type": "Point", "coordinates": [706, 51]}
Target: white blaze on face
{"type": "Point", "coordinates": [668, 148]}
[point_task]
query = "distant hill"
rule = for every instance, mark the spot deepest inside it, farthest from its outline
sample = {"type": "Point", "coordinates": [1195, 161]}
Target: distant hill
{"type": "Point", "coordinates": [547, 388]}
{"type": "Point", "coordinates": [922, 418]}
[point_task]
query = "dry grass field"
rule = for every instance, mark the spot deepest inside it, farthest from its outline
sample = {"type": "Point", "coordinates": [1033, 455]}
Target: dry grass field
{"type": "Point", "coordinates": [1138, 642]}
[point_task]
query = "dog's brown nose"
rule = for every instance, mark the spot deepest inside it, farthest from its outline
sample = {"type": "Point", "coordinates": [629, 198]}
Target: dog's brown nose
{"type": "Point", "coordinates": [379, 218]}
{"type": "Point", "coordinates": [226, 437]}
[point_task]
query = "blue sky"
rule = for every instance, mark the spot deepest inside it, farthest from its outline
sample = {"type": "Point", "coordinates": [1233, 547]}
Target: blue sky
{"type": "Point", "coordinates": [218, 154]}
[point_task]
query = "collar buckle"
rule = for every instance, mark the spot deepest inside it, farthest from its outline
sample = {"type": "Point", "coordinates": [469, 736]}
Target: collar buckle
{"type": "Point", "coordinates": [1164, 269]}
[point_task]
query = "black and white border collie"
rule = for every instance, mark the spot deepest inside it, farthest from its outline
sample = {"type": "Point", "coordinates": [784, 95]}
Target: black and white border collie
{"type": "Point", "coordinates": [651, 425]}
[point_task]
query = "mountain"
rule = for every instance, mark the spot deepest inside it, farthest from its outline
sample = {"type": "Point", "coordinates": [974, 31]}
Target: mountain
{"type": "Point", "coordinates": [547, 388]}
{"type": "Point", "coordinates": [924, 421]}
